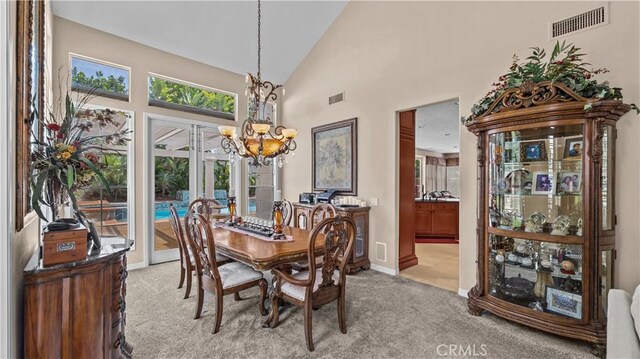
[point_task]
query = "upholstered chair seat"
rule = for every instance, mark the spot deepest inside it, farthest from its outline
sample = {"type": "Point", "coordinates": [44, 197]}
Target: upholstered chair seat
{"type": "Point", "coordinates": [235, 274]}
{"type": "Point", "coordinates": [298, 292]}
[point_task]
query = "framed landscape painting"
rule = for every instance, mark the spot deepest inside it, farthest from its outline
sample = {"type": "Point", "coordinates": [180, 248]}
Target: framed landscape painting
{"type": "Point", "coordinates": [334, 157]}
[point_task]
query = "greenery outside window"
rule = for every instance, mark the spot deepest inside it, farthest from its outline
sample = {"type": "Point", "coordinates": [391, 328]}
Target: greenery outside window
{"type": "Point", "coordinates": [111, 212]}
{"type": "Point", "coordinates": [182, 96]}
{"type": "Point", "coordinates": [100, 78]}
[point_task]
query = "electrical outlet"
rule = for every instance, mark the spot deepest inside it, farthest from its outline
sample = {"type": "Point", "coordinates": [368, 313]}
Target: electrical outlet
{"type": "Point", "coordinates": [374, 202]}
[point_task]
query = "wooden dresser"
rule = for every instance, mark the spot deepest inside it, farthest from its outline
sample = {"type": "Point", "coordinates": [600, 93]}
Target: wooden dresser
{"type": "Point", "coordinates": [437, 219]}
{"type": "Point", "coordinates": [77, 309]}
{"type": "Point", "coordinates": [360, 215]}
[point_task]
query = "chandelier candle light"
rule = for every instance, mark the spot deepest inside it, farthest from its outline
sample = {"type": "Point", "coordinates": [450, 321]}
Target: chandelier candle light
{"type": "Point", "coordinates": [258, 140]}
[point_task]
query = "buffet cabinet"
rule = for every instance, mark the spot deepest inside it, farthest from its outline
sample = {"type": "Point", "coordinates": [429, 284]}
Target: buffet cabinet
{"type": "Point", "coordinates": [546, 210]}
{"type": "Point", "coordinates": [360, 215]}
{"type": "Point", "coordinates": [437, 219]}
{"type": "Point", "coordinates": [77, 309]}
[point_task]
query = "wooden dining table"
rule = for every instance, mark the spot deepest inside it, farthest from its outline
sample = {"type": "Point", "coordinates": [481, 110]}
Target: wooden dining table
{"type": "Point", "coordinates": [263, 254]}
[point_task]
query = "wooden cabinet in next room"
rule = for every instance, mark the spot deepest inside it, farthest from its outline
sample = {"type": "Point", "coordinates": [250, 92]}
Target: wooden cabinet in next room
{"type": "Point", "coordinates": [437, 219]}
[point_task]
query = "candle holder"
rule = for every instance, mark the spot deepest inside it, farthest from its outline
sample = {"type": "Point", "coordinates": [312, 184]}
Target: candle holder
{"type": "Point", "coordinates": [231, 203]}
{"type": "Point", "coordinates": [277, 220]}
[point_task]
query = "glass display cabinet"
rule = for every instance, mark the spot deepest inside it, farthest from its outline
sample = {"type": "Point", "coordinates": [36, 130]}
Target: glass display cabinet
{"type": "Point", "coordinates": [546, 210]}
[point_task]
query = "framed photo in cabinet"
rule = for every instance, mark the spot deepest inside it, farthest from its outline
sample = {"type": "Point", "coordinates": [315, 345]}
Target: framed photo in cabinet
{"type": "Point", "coordinates": [542, 183]}
{"type": "Point", "coordinates": [533, 151]}
{"type": "Point", "coordinates": [565, 303]}
{"type": "Point", "coordinates": [573, 148]}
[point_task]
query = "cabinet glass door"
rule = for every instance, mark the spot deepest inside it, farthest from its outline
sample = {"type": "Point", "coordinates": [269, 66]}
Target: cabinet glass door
{"type": "Point", "coordinates": [360, 235]}
{"type": "Point", "coordinates": [535, 194]}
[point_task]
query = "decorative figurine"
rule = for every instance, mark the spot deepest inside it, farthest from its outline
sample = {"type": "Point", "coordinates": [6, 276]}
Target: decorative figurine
{"type": "Point", "coordinates": [567, 266]}
{"type": "Point", "coordinates": [535, 223]}
{"type": "Point", "coordinates": [500, 258]}
{"type": "Point", "coordinates": [232, 209]}
{"type": "Point", "coordinates": [579, 232]}
{"type": "Point", "coordinates": [277, 220]}
{"type": "Point", "coordinates": [561, 225]}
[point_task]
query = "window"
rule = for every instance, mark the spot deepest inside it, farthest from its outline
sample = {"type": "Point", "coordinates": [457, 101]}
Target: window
{"type": "Point", "coordinates": [453, 180]}
{"type": "Point", "coordinates": [260, 195]}
{"type": "Point", "coordinates": [99, 78]}
{"type": "Point", "coordinates": [112, 213]}
{"type": "Point", "coordinates": [181, 96]}
{"type": "Point", "coordinates": [419, 177]}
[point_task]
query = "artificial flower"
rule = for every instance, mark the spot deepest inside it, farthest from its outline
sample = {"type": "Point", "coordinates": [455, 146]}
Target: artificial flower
{"type": "Point", "coordinates": [53, 127]}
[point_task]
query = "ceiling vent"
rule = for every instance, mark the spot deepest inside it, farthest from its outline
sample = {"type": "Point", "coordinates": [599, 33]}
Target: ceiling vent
{"type": "Point", "coordinates": [581, 22]}
{"type": "Point", "coordinates": [336, 98]}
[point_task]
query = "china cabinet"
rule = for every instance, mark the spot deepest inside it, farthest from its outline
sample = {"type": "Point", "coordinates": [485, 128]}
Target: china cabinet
{"type": "Point", "coordinates": [546, 220]}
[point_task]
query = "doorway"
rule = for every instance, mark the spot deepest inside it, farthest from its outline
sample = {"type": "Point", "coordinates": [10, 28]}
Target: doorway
{"type": "Point", "coordinates": [185, 163]}
{"type": "Point", "coordinates": [429, 188]}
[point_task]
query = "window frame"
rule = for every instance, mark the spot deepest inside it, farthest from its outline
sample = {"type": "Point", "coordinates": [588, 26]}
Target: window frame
{"type": "Point", "coordinates": [101, 93]}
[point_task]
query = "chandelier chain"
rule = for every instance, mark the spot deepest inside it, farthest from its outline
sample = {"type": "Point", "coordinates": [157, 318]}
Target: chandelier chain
{"type": "Point", "coordinates": [259, 47]}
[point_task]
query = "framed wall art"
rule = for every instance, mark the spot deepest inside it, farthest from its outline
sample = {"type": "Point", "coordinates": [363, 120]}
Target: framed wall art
{"type": "Point", "coordinates": [334, 157]}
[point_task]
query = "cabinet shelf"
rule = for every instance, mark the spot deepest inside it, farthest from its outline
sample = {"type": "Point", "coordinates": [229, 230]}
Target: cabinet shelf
{"type": "Point", "coordinates": [513, 195]}
{"type": "Point", "coordinates": [541, 237]}
{"type": "Point", "coordinates": [556, 271]}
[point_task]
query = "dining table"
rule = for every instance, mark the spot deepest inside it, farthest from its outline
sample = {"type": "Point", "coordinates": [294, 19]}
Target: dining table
{"type": "Point", "coordinates": [265, 253]}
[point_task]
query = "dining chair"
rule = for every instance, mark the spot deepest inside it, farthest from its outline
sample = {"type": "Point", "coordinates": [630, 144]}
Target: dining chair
{"type": "Point", "coordinates": [230, 278]}
{"type": "Point", "coordinates": [187, 265]}
{"type": "Point", "coordinates": [204, 206]}
{"type": "Point", "coordinates": [287, 209]}
{"type": "Point", "coordinates": [319, 213]}
{"type": "Point", "coordinates": [323, 283]}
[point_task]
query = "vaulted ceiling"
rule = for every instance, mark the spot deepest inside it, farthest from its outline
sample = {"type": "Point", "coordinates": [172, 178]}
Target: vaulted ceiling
{"type": "Point", "coordinates": [218, 33]}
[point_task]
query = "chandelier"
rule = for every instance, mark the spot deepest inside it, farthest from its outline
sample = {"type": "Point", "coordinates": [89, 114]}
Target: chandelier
{"type": "Point", "coordinates": [259, 142]}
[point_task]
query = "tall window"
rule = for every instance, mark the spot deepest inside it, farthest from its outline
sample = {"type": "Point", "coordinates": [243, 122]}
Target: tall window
{"type": "Point", "coordinates": [111, 212]}
{"type": "Point", "coordinates": [419, 177]}
{"type": "Point", "coordinates": [99, 78]}
{"type": "Point", "coordinates": [182, 96]}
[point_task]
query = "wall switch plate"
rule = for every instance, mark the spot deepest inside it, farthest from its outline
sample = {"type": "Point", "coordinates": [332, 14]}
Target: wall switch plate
{"type": "Point", "coordinates": [374, 202]}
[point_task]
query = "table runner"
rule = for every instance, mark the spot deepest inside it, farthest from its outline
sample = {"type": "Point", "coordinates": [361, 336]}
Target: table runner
{"type": "Point", "coordinates": [287, 238]}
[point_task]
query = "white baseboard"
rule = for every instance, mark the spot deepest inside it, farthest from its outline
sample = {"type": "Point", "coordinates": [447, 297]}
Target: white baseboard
{"type": "Point", "coordinates": [463, 292]}
{"type": "Point", "coordinates": [134, 266]}
{"type": "Point", "coordinates": [384, 270]}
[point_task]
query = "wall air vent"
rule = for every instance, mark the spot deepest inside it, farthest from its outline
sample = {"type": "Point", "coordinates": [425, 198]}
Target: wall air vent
{"type": "Point", "coordinates": [336, 98]}
{"type": "Point", "coordinates": [581, 22]}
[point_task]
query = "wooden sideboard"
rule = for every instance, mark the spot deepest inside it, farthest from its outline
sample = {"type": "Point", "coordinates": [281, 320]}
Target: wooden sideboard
{"type": "Point", "coordinates": [77, 309]}
{"type": "Point", "coordinates": [360, 215]}
{"type": "Point", "coordinates": [437, 219]}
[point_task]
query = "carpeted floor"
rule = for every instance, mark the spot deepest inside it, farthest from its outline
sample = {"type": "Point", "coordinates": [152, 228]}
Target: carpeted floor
{"type": "Point", "coordinates": [387, 317]}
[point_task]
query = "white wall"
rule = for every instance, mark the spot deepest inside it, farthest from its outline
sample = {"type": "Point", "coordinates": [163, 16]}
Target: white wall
{"type": "Point", "coordinates": [390, 56]}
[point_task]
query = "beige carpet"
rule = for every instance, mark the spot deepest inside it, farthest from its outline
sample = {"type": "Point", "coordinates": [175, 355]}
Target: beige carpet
{"type": "Point", "coordinates": [387, 317]}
